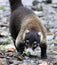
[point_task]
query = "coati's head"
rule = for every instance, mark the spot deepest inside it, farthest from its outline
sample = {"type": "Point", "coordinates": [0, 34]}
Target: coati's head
{"type": "Point", "coordinates": [31, 40]}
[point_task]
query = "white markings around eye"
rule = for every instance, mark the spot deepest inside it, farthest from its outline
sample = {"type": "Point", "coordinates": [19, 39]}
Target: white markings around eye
{"type": "Point", "coordinates": [35, 42]}
{"type": "Point", "coordinates": [23, 36]}
{"type": "Point", "coordinates": [27, 41]}
{"type": "Point", "coordinates": [26, 31]}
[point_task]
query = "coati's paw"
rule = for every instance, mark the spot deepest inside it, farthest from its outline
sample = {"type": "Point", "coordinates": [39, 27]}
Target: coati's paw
{"type": "Point", "coordinates": [44, 57]}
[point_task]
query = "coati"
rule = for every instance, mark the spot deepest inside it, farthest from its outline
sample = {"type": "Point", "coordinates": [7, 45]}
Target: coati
{"type": "Point", "coordinates": [26, 29]}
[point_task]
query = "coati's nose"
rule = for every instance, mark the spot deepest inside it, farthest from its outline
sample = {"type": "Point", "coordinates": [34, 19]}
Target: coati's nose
{"type": "Point", "coordinates": [29, 51]}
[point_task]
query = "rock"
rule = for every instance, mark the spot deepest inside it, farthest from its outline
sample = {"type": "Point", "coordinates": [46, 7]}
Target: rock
{"type": "Point", "coordinates": [2, 56]}
{"type": "Point", "coordinates": [43, 63]}
{"type": "Point", "coordinates": [1, 63]}
{"type": "Point", "coordinates": [1, 35]}
{"type": "Point", "coordinates": [3, 60]}
{"type": "Point", "coordinates": [55, 63]}
{"type": "Point", "coordinates": [50, 37]}
{"type": "Point", "coordinates": [3, 41]}
{"type": "Point", "coordinates": [10, 47]}
{"type": "Point", "coordinates": [4, 33]}
{"type": "Point", "coordinates": [40, 61]}
{"type": "Point", "coordinates": [18, 56]}
{"type": "Point", "coordinates": [54, 52]}
{"type": "Point", "coordinates": [9, 62]}
{"type": "Point", "coordinates": [49, 33]}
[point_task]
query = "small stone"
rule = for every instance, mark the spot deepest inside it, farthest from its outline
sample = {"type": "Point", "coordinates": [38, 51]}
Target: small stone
{"type": "Point", "coordinates": [9, 62]}
{"type": "Point", "coordinates": [1, 63]}
{"type": "Point", "coordinates": [43, 63]}
{"type": "Point", "coordinates": [55, 64]}
{"type": "Point", "coordinates": [49, 33]}
{"type": "Point", "coordinates": [2, 55]}
{"type": "Point", "coordinates": [40, 61]}
{"type": "Point", "coordinates": [19, 57]}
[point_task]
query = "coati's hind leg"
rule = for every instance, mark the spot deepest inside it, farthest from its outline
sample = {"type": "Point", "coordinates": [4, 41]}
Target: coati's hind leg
{"type": "Point", "coordinates": [43, 47]}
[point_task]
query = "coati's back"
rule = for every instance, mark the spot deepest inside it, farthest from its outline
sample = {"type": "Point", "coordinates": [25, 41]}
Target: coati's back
{"type": "Point", "coordinates": [18, 13]}
{"type": "Point", "coordinates": [22, 16]}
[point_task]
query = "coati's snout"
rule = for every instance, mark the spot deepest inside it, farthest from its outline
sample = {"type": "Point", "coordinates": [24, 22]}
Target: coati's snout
{"type": "Point", "coordinates": [31, 40]}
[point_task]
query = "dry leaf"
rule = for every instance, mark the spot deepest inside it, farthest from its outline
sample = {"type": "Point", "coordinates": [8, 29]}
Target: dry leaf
{"type": "Point", "coordinates": [10, 50]}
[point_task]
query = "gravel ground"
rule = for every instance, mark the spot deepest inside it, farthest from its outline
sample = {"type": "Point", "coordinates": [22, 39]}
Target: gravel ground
{"type": "Point", "coordinates": [8, 54]}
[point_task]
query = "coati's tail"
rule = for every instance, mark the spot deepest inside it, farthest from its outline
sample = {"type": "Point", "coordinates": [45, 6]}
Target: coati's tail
{"type": "Point", "coordinates": [14, 4]}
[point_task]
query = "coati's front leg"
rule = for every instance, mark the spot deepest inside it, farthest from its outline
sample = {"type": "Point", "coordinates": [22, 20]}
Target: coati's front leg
{"type": "Point", "coordinates": [43, 47]}
{"type": "Point", "coordinates": [43, 42]}
{"type": "Point", "coordinates": [19, 42]}
{"type": "Point", "coordinates": [20, 48]}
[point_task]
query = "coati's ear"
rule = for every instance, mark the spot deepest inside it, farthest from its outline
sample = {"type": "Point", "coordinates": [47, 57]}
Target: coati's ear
{"type": "Point", "coordinates": [41, 36]}
{"type": "Point", "coordinates": [26, 31]}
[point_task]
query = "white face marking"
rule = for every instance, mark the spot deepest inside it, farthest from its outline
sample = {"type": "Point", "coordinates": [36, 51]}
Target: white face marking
{"type": "Point", "coordinates": [41, 36]}
{"type": "Point", "coordinates": [35, 42]}
{"type": "Point", "coordinates": [23, 36]}
{"type": "Point", "coordinates": [26, 31]}
{"type": "Point", "coordinates": [29, 50]}
{"type": "Point", "coordinates": [27, 40]}
{"type": "Point", "coordinates": [17, 40]}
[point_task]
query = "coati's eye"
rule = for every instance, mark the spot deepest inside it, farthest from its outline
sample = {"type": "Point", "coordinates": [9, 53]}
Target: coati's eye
{"type": "Point", "coordinates": [27, 42]}
{"type": "Point", "coordinates": [35, 44]}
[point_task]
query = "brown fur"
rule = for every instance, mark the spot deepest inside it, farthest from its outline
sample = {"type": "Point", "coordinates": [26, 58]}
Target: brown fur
{"type": "Point", "coordinates": [23, 19]}
{"type": "Point", "coordinates": [34, 23]}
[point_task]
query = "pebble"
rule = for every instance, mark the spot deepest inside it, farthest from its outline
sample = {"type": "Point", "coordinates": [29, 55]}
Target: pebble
{"type": "Point", "coordinates": [43, 63]}
{"type": "Point", "coordinates": [55, 64]}
{"type": "Point", "coordinates": [1, 63]}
